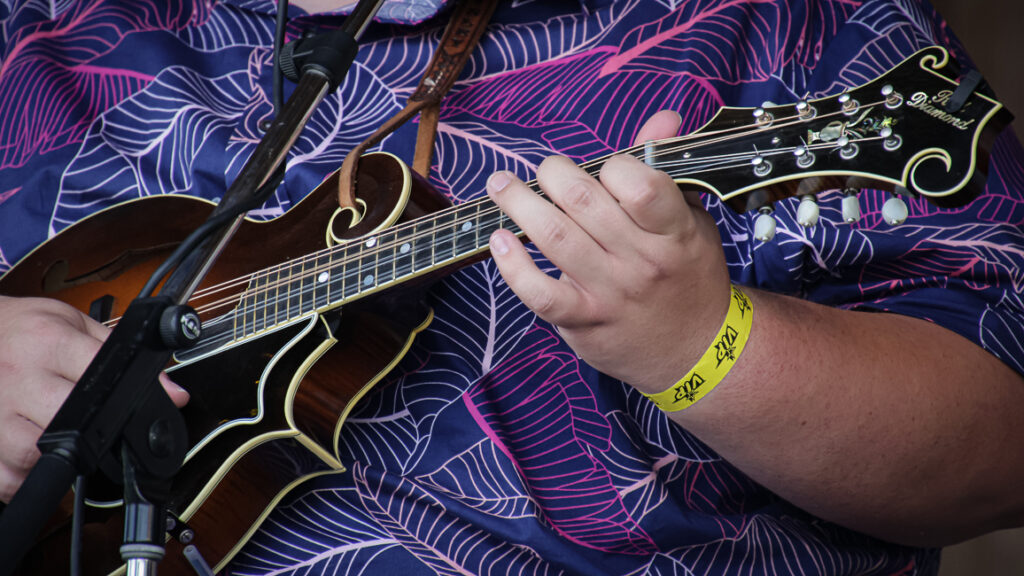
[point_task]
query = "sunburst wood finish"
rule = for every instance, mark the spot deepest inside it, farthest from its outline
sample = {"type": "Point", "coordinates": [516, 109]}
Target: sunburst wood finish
{"type": "Point", "coordinates": [307, 374]}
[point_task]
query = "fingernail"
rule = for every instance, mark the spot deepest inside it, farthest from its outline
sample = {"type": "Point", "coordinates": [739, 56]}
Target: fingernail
{"type": "Point", "coordinates": [498, 181]}
{"type": "Point", "coordinates": [498, 245]}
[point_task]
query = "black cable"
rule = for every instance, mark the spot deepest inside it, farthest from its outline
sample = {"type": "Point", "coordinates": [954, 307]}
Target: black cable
{"type": "Point", "coordinates": [277, 93]}
{"type": "Point", "coordinates": [77, 519]}
{"type": "Point", "coordinates": [207, 228]}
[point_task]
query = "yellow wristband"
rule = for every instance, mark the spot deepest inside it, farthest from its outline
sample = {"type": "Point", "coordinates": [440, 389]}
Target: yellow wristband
{"type": "Point", "coordinates": [716, 362]}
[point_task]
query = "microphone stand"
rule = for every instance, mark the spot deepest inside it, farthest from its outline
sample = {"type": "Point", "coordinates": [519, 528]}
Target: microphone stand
{"type": "Point", "coordinates": [118, 406]}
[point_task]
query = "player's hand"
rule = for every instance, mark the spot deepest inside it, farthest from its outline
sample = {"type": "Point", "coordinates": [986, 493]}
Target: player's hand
{"type": "Point", "coordinates": [643, 287]}
{"type": "Point", "coordinates": [45, 346]}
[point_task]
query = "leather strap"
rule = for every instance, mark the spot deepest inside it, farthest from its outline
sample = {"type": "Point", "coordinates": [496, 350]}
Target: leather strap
{"type": "Point", "coordinates": [464, 30]}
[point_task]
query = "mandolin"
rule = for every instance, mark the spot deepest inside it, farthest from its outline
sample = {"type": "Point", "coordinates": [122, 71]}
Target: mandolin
{"type": "Point", "coordinates": [297, 330]}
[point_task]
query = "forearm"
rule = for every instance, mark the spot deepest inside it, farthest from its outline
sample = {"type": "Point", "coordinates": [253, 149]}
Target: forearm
{"type": "Point", "coordinates": [887, 424]}
{"type": "Point", "coordinates": [883, 423]}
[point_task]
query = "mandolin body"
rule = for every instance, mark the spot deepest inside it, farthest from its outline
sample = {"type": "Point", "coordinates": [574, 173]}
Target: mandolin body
{"type": "Point", "coordinates": [253, 402]}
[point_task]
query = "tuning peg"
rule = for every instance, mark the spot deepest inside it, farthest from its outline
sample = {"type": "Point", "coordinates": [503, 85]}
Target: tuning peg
{"type": "Point", "coordinates": [848, 104]}
{"type": "Point", "coordinates": [804, 157]}
{"type": "Point", "coordinates": [893, 99]}
{"type": "Point", "coordinates": [807, 212]}
{"type": "Point", "coordinates": [764, 226]}
{"type": "Point", "coordinates": [895, 210]}
{"type": "Point", "coordinates": [847, 150]}
{"type": "Point", "coordinates": [805, 110]}
{"type": "Point", "coordinates": [762, 117]}
{"type": "Point", "coordinates": [851, 206]}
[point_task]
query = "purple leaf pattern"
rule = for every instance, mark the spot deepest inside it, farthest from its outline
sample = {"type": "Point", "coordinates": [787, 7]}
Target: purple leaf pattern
{"type": "Point", "coordinates": [547, 428]}
{"type": "Point", "coordinates": [492, 448]}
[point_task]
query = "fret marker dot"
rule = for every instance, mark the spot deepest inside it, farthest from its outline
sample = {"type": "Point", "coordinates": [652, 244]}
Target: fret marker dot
{"type": "Point", "coordinates": [368, 281]}
{"type": "Point", "coordinates": [466, 226]}
{"type": "Point", "coordinates": [404, 248]}
{"type": "Point", "coordinates": [323, 277]}
{"type": "Point", "coordinates": [371, 242]}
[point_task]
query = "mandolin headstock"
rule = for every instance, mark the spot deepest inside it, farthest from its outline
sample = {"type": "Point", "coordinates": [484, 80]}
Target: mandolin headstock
{"type": "Point", "coordinates": [892, 133]}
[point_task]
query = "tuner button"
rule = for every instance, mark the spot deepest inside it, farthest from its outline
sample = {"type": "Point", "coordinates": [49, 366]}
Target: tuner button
{"type": "Point", "coordinates": [804, 159]}
{"type": "Point", "coordinates": [892, 143]}
{"type": "Point", "coordinates": [851, 206]}
{"type": "Point", "coordinates": [764, 226]}
{"type": "Point", "coordinates": [805, 110]}
{"type": "Point", "coordinates": [895, 211]}
{"type": "Point", "coordinates": [893, 99]}
{"type": "Point", "coordinates": [885, 132]}
{"type": "Point", "coordinates": [762, 167]}
{"type": "Point", "coordinates": [849, 105]}
{"type": "Point", "coordinates": [847, 150]}
{"type": "Point", "coordinates": [807, 212]}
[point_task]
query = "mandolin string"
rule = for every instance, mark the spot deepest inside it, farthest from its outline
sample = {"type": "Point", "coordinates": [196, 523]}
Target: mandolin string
{"type": "Point", "coordinates": [448, 235]}
{"type": "Point", "coordinates": [666, 147]}
{"type": "Point", "coordinates": [700, 138]}
{"type": "Point", "coordinates": [388, 259]}
{"type": "Point", "coordinates": [386, 249]}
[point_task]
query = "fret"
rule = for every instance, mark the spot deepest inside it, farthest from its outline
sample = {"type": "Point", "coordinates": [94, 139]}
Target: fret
{"type": "Point", "coordinates": [252, 303]}
{"type": "Point", "coordinates": [245, 309]}
{"type": "Point", "coordinates": [329, 277]}
{"type": "Point", "coordinates": [263, 300]}
{"type": "Point", "coordinates": [254, 310]}
{"type": "Point", "coordinates": [322, 275]}
{"type": "Point", "coordinates": [505, 222]}
{"type": "Point", "coordinates": [239, 317]}
{"type": "Point", "coordinates": [308, 283]}
{"type": "Point", "coordinates": [350, 271]}
{"type": "Point", "coordinates": [423, 244]}
{"type": "Point", "coordinates": [293, 299]}
{"type": "Point", "coordinates": [386, 250]}
{"type": "Point", "coordinates": [336, 282]}
{"type": "Point", "coordinates": [368, 264]}
{"type": "Point", "coordinates": [465, 228]}
{"type": "Point", "coordinates": [266, 299]}
{"type": "Point", "coordinates": [489, 219]}
{"type": "Point", "coordinates": [403, 252]}
{"type": "Point", "coordinates": [444, 237]}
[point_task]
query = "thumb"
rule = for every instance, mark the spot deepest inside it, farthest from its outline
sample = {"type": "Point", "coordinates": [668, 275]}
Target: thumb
{"type": "Point", "coordinates": [663, 124]}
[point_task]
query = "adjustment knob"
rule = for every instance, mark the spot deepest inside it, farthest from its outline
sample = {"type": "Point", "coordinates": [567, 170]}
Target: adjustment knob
{"type": "Point", "coordinates": [893, 99]}
{"type": "Point", "coordinates": [851, 206]}
{"type": "Point", "coordinates": [807, 212]}
{"type": "Point", "coordinates": [761, 117]}
{"type": "Point", "coordinates": [848, 104]}
{"type": "Point", "coordinates": [895, 210]}
{"type": "Point", "coordinates": [180, 327]}
{"type": "Point", "coordinates": [805, 110]}
{"type": "Point", "coordinates": [764, 226]}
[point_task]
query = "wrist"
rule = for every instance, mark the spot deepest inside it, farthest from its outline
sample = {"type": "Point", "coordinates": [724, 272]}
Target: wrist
{"type": "Point", "coordinates": [717, 360]}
